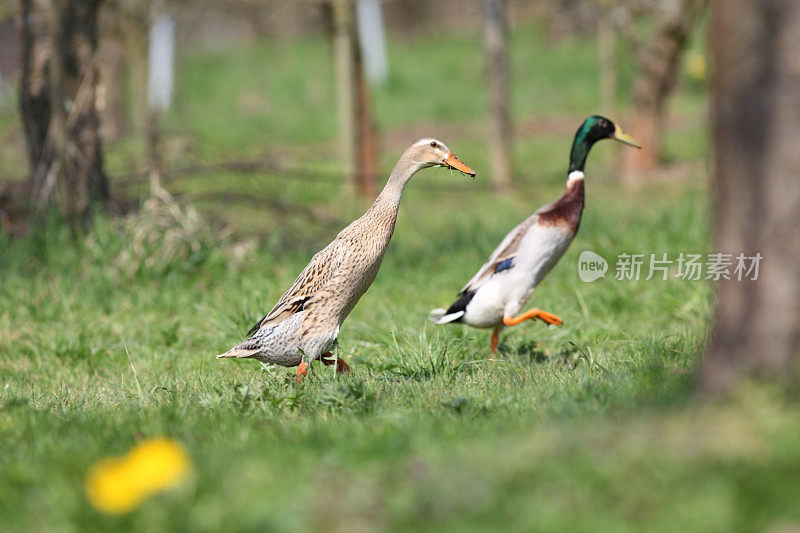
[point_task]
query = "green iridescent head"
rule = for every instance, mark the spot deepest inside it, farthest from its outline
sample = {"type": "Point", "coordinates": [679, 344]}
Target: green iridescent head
{"type": "Point", "coordinates": [595, 128]}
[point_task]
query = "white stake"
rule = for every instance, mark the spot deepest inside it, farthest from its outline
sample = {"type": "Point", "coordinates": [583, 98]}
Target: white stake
{"type": "Point", "coordinates": [372, 40]}
{"type": "Point", "coordinates": [161, 63]}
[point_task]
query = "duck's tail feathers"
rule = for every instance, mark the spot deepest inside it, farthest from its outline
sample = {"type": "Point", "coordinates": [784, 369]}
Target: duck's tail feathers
{"type": "Point", "coordinates": [242, 351]}
{"type": "Point", "coordinates": [440, 316]}
{"type": "Point", "coordinates": [455, 311]}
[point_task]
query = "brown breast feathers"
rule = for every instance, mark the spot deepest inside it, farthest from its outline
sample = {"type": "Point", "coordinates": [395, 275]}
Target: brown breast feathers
{"type": "Point", "coordinates": [567, 210]}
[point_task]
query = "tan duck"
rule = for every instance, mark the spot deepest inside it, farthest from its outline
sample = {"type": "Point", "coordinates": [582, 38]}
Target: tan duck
{"type": "Point", "coordinates": [304, 324]}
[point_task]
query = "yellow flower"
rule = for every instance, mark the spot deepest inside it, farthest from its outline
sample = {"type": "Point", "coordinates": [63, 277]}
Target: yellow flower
{"type": "Point", "coordinates": [159, 464]}
{"type": "Point", "coordinates": [696, 66]}
{"type": "Point", "coordinates": [119, 485]}
{"type": "Point", "coordinates": [111, 487]}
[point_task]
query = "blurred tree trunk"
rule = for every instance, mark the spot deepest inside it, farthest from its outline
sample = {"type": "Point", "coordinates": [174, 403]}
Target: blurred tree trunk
{"type": "Point", "coordinates": [497, 71]}
{"type": "Point", "coordinates": [607, 62]}
{"type": "Point", "coordinates": [756, 124]}
{"type": "Point", "coordinates": [606, 48]}
{"type": "Point", "coordinates": [407, 16]}
{"type": "Point", "coordinates": [657, 67]}
{"type": "Point", "coordinates": [367, 135]}
{"type": "Point", "coordinates": [344, 62]}
{"type": "Point", "coordinates": [358, 145]}
{"type": "Point", "coordinates": [134, 35]}
{"type": "Point", "coordinates": [111, 101]}
{"type": "Point", "coordinates": [34, 81]}
{"type": "Point", "coordinates": [58, 99]}
{"type": "Point", "coordinates": [112, 70]}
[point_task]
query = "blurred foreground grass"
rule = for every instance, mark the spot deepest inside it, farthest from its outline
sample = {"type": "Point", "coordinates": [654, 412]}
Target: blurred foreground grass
{"type": "Point", "coordinates": [585, 427]}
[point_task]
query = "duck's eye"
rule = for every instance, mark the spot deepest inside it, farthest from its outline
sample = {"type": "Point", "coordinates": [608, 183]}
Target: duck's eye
{"type": "Point", "coordinates": [433, 144]}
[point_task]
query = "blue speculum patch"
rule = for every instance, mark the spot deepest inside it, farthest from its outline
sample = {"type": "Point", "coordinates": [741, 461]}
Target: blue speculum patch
{"type": "Point", "coordinates": [504, 265]}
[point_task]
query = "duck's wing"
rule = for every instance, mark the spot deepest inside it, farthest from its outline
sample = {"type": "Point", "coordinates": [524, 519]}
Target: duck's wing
{"type": "Point", "coordinates": [502, 257]}
{"type": "Point", "coordinates": [302, 294]}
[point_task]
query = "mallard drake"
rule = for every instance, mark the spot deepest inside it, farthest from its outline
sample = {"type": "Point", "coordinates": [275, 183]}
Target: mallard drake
{"type": "Point", "coordinates": [304, 324]}
{"type": "Point", "coordinates": [494, 296]}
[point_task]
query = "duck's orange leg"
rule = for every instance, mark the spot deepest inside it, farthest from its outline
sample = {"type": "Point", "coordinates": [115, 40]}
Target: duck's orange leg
{"type": "Point", "coordinates": [302, 370]}
{"type": "Point", "coordinates": [328, 359]}
{"type": "Point", "coordinates": [495, 341]}
{"type": "Point", "coordinates": [550, 318]}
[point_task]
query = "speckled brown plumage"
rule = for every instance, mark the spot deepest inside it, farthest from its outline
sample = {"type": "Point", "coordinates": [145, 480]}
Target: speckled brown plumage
{"type": "Point", "coordinates": [305, 322]}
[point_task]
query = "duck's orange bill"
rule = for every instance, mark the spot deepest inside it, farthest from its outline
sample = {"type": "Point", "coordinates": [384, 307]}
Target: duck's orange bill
{"type": "Point", "coordinates": [453, 162]}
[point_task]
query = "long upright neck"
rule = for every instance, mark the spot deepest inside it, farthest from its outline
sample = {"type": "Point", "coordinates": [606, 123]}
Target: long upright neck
{"type": "Point", "coordinates": [389, 198]}
{"type": "Point", "coordinates": [577, 160]}
{"type": "Point", "coordinates": [580, 149]}
{"type": "Point", "coordinates": [572, 201]}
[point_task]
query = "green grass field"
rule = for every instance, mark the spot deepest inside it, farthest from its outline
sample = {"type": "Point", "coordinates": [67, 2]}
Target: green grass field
{"type": "Point", "coordinates": [590, 426]}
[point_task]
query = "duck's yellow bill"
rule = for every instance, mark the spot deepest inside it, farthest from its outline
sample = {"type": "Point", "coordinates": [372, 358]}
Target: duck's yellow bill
{"type": "Point", "coordinates": [453, 162]}
{"type": "Point", "coordinates": [623, 137]}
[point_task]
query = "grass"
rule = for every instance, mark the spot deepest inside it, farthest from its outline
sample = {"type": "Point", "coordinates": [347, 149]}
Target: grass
{"type": "Point", "coordinates": [589, 426]}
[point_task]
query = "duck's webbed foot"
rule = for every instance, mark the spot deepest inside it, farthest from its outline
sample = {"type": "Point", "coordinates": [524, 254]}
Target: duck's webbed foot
{"type": "Point", "coordinates": [550, 318]}
{"type": "Point", "coordinates": [302, 370]}
{"type": "Point", "coordinates": [329, 359]}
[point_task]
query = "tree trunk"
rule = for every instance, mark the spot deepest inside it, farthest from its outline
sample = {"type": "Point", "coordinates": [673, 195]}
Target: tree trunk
{"type": "Point", "coordinates": [112, 72]}
{"type": "Point", "coordinates": [657, 67]}
{"type": "Point", "coordinates": [367, 135]}
{"type": "Point", "coordinates": [59, 105]}
{"type": "Point", "coordinates": [344, 60]}
{"type": "Point", "coordinates": [357, 136]}
{"type": "Point", "coordinates": [134, 35]}
{"type": "Point", "coordinates": [60, 169]}
{"type": "Point", "coordinates": [34, 81]}
{"type": "Point", "coordinates": [497, 71]}
{"type": "Point", "coordinates": [111, 91]}
{"type": "Point", "coordinates": [607, 62]}
{"type": "Point", "coordinates": [756, 124]}
{"type": "Point", "coordinates": [606, 48]}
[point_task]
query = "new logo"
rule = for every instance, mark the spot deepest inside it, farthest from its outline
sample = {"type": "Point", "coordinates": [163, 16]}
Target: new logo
{"type": "Point", "coordinates": [591, 266]}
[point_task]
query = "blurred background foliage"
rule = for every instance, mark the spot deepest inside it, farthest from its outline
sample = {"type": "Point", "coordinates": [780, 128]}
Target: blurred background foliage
{"type": "Point", "coordinates": [255, 111]}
